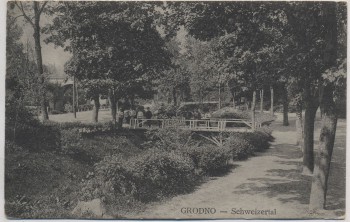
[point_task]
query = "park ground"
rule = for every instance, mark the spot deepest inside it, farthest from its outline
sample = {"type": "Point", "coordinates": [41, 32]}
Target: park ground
{"type": "Point", "coordinates": [271, 180]}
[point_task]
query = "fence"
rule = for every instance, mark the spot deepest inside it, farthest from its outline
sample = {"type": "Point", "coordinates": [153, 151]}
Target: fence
{"type": "Point", "coordinates": [195, 125]}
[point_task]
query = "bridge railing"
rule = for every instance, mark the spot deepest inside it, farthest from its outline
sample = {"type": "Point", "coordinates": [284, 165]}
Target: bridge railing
{"type": "Point", "coordinates": [202, 124]}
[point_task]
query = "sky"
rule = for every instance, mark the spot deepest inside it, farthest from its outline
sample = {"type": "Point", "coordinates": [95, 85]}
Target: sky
{"type": "Point", "coordinates": [51, 54]}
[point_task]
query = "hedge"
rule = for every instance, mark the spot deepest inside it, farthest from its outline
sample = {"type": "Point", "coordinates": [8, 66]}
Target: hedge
{"type": "Point", "coordinates": [51, 135]}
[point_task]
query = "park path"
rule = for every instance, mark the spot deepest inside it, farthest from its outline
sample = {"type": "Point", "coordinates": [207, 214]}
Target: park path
{"type": "Point", "coordinates": [270, 180]}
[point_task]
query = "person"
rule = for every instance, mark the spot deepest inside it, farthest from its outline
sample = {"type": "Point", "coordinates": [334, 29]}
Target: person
{"type": "Point", "coordinates": [127, 116]}
{"type": "Point", "coordinates": [133, 113]}
{"type": "Point", "coordinates": [140, 116]}
{"type": "Point", "coordinates": [120, 116]}
{"type": "Point", "coordinates": [148, 115]}
{"type": "Point", "coordinates": [188, 116]}
{"type": "Point", "coordinates": [207, 115]}
{"type": "Point", "coordinates": [156, 116]}
{"type": "Point", "coordinates": [197, 116]}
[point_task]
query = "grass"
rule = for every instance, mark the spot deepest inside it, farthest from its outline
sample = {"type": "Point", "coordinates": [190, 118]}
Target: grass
{"type": "Point", "coordinates": [85, 117]}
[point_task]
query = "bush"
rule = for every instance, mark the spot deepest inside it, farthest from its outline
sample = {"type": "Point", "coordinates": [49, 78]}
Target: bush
{"type": "Point", "coordinates": [212, 159]}
{"type": "Point", "coordinates": [259, 140]}
{"type": "Point", "coordinates": [68, 108]}
{"type": "Point", "coordinates": [243, 145]}
{"type": "Point", "coordinates": [240, 148]}
{"type": "Point", "coordinates": [70, 141]}
{"type": "Point", "coordinates": [208, 159]}
{"type": "Point", "coordinates": [52, 136]}
{"type": "Point", "coordinates": [231, 113]}
{"type": "Point", "coordinates": [148, 176]}
{"type": "Point", "coordinates": [55, 112]}
{"type": "Point", "coordinates": [83, 128]}
{"type": "Point", "coordinates": [168, 138]}
{"type": "Point", "coordinates": [11, 147]}
{"type": "Point", "coordinates": [266, 131]}
{"type": "Point", "coordinates": [113, 175]}
{"type": "Point", "coordinates": [160, 173]}
{"type": "Point", "coordinates": [34, 137]}
{"type": "Point", "coordinates": [15, 113]}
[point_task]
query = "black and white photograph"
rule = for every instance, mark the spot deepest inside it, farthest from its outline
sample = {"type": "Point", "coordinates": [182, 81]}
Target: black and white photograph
{"type": "Point", "coordinates": [175, 110]}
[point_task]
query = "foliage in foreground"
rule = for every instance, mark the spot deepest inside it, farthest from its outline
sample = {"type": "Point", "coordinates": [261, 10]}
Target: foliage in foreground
{"type": "Point", "coordinates": [173, 161]}
{"type": "Point", "coordinates": [148, 176]}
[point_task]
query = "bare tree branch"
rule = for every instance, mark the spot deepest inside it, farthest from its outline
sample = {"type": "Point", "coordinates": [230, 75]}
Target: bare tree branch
{"type": "Point", "coordinates": [42, 7]}
{"type": "Point", "coordinates": [13, 20]}
{"type": "Point", "coordinates": [20, 6]}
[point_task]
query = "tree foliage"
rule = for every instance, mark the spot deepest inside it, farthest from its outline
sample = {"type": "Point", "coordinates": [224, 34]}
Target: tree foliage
{"type": "Point", "coordinates": [111, 41]}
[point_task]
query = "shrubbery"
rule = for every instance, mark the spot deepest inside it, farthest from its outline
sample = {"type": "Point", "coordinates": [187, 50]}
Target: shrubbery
{"type": "Point", "coordinates": [34, 136]}
{"type": "Point", "coordinates": [240, 148]}
{"type": "Point", "coordinates": [168, 138]}
{"type": "Point", "coordinates": [70, 141]}
{"type": "Point", "coordinates": [11, 147]}
{"type": "Point", "coordinates": [172, 162]}
{"type": "Point", "coordinates": [208, 159]}
{"type": "Point", "coordinates": [213, 159]}
{"type": "Point", "coordinates": [160, 173]}
{"type": "Point", "coordinates": [231, 113]}
{"type": "Point", "coordinates": [243, 145]}
{"type": "Point", "coordinates": [148, 176]}
{"type": "Point", "coordinates": [55, 112]}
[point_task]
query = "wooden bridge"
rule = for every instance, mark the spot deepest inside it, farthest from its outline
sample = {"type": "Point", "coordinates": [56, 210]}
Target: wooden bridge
{"type": "Point", "coordinates": [210, 125]}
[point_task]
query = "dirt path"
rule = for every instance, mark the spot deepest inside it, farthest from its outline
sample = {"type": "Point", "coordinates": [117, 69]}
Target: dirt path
{"type": "Point", "coordinates": [269, 181]}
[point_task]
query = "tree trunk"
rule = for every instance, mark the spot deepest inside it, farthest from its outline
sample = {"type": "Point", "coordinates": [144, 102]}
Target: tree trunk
{"type": "Point", "coordinates": [253, 110]}
{"type": "Point", "coordinates": [262, 101]}
{"type": "Point", "coordinates": [74, 102]}
{"type": "Point", "coordinates": [271, 109]}
{"type": "Point", "coordinates": [325, 150]}
{"type": "Point", "coordinates": [329, 116]}
{"type": "Point", "coordinates": [299, 126]}
{"type": "Point", "coordinates": [96, 108]}
{"type": "Point", "coordinates": [39, 60]}
{"type": "Point", "coordinates": [169, 97]}
{"type": "Point", "coordinates": [174, 97]}
{"type": "Point", "coordinates": [285, 107]}
{"type": "Point", "coordinates": [308, 158]}
{"type": "Point", "coordinates": [233, 101]}
{"type": "Point", "coordinates": [132, 101]}
{"type": "Point", "coordinates": [219, 96]}
{"type": "Point", "coordinates": [113, 104]}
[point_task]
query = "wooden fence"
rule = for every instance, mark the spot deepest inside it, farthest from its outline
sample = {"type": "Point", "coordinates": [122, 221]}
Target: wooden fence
{"type": "Point", "coordinates": [216, 125]}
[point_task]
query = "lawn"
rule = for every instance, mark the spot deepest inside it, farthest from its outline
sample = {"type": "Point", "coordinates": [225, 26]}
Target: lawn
{"type": "Point", "coordinates": [85, 117]}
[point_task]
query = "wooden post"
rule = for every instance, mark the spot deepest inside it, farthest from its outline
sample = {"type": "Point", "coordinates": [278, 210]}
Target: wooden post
{"type": "Point", "coordinates": [253, 110]}
{"type": "Point", "coordinates": [74, 108]}
{"type": "Point", "coordinates": [262, 101]}
{"type": "Point", "coordinates": [271, 109]}
{"type": "Point", "coordinates": [76, 90]}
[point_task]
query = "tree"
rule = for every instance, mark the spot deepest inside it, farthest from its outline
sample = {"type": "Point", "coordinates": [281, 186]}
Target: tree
{"type": "Point", "coordinates": [306, 64]}
{"type": "Point", "coordinates": [32, 15]}
{"type": "Point", "coordinates": [175, 81]}
{"type": "Point", "coordinates": [333, 81]}
{"type": "Point", "coordinates": [242, 27]}
{"type": "Point", "coordinates": [131, 54]}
